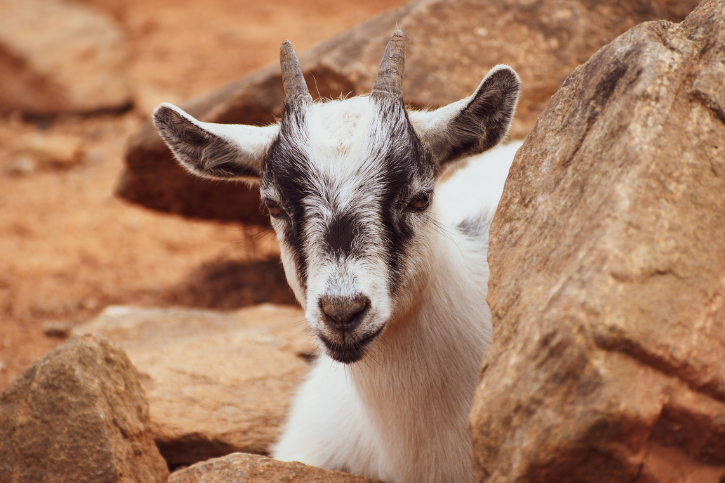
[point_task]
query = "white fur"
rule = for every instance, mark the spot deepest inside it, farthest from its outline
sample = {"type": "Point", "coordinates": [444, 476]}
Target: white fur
{"type": "Point", "coordinates": [479, 184]}
{"type": "Point", "coordinates": [401, 414]}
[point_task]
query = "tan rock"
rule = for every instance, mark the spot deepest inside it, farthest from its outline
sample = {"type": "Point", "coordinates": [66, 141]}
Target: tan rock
{"type": "Point", "coordinates": [76, 415]}
{"type": "Point", "coordinates": [248, 468]}
{"type": "Point", "coordinates": [48, 149]}
{"type": "Point", "coordinates": [452, 45]}
{"type": "Point", "coordinates": [216, 382]}
{"type": "Point", "coordinates": [58, 56]}
{"type": "Point", "coordinates": [607, 280]}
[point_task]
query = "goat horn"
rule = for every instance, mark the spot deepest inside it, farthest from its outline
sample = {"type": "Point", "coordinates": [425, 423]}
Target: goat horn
{"type": "Point", "coordinates": [295, 87]}
{"type": "Point", "coordinates": [390, 76]}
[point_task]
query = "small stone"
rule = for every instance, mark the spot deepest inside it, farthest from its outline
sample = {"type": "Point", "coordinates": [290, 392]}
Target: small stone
{"type": "Point", "coordinates": [21, 164]}
{"type": "Point", "coordinates": [59, 150]}
{"type": "Point", "coordinates": [97, 155]}
{"type": "Point", "coordinates": [90, 303]}
{"type": "Point", "coordinates": [55, 328]}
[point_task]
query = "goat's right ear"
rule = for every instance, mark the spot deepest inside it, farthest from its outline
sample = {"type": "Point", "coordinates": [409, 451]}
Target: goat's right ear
{"type": "Point", "coordinates": [472, 125]}
{"type": "Point", "coordinates": [218, 151]}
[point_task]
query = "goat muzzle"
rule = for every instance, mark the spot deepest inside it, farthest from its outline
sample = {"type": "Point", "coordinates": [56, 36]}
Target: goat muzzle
{"type": "Point", "coordinates": [343, 314]}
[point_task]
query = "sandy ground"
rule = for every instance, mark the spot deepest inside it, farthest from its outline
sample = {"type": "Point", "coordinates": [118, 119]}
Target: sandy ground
{"type": "Point", "coordinates": [69, 247]}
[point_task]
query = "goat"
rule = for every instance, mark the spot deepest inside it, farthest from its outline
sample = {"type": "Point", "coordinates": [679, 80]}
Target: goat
{"type": "Point", "coordinates": [393, 281]}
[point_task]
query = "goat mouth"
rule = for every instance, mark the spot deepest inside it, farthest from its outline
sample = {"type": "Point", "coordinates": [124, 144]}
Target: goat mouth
{"type": "Point", "coordinates": [349, 352]}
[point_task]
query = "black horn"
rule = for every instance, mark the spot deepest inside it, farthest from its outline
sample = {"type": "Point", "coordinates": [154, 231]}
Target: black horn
{"type": "Point", "coordinates": [295, 88]}
{"type": "Point", "coordinates": [390, 76]}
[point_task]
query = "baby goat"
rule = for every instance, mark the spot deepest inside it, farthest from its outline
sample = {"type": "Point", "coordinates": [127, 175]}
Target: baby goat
{"type": "Point", "coordinates": [393, 283]}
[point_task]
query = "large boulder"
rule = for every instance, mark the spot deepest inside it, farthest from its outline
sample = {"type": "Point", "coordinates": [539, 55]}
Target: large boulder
{"type": "Point", "coordinates": [58, 56]}
{"type": "Point", "coordinates": [607, 258]}
{"type": "Point", "coordinates": [216, 382]}
{"type": "Point", "coordinates": [248, 468]}
{"type": "Point", "coordinates": [452, 45]}
{"type": "Point", "coordinates": [77, 415]}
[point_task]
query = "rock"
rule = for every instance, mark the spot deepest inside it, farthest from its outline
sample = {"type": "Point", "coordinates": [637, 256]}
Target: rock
{"type": "Point", "coordinates": [20, 165]}
{"type": "Point", "coordinates": [216, 382]}
{"type": "Point", "coordinates": [78, 414]}
{"type": "Point", "coordinates": [57, 328]}
{"type": "Point", "coordinates": [58, 56]}
{"type": "Point", "coordinates": [452, 45]}
{"type": "Point", "coordinates": [247, 468]}
{"type": "Point", "coordinates": [31, 152]}
{"type": "Point", "coordinates": [49, 150]}
{"type": "Point", "coordinates": [607, 262]}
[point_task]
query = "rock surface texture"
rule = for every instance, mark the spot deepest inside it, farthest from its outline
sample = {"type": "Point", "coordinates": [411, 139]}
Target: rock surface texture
{"type": "Point", "coordinates": [248, 468]}
{"type": "Point", "coordinates": [452, 44]}
{"type": "Point", "coordinates": [58, 56]}
{"type": "Point", "coordinates": [216, 382]}
{"type": "Point", "coordinates": [77, 415]}
{"type": "Point", "coordinates": [608, 272]}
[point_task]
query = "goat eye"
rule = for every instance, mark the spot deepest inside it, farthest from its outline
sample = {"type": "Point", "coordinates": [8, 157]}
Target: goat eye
{"type": "Point", "coordinates": [274, 209]}
{"type": "Point", "coordinates": [420, 201]}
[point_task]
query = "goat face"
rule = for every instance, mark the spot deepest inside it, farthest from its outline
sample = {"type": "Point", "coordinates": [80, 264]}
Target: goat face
{"type": "Point", "coordinates": [349, 187]}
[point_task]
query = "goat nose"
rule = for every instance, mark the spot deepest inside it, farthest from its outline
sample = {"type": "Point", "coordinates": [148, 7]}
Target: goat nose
{"type": "Point", "coordinates": [344, 312]}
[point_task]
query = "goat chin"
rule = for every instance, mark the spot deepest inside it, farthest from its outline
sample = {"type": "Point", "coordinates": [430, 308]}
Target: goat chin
{"type": "Point", "coordinates": [401, 413]}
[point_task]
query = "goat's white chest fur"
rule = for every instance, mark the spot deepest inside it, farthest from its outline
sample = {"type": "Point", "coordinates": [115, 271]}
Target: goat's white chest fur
{"type": "Point", "coordinates": [391, 271]}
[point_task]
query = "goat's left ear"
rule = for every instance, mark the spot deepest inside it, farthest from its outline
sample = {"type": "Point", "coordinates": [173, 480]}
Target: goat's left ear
{"type": "Point", "coordinates": [471, 125]}
{"type": "Point", "coordinates": [217, 151]}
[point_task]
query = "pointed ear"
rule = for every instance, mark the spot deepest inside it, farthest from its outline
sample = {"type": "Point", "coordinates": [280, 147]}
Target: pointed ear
{"type": "Point", "coordinates": [471, 125]}
{"type": "Point", "coordinates": [218, 151]}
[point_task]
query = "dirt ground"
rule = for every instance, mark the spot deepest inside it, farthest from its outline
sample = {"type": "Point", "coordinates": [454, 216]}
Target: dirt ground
{"type": "Point", "coordinates": [69, 247]}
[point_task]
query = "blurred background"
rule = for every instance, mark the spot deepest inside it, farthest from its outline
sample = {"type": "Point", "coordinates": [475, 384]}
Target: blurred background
{"type": "Point", "coordinates": [69, 246]}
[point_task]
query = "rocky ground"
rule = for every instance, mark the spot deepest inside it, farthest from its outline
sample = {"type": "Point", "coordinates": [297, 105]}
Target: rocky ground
{"type": "Point", "coordinates": [68, 246]}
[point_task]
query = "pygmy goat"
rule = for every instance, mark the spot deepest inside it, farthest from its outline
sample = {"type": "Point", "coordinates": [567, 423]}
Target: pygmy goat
{"type": "Point", "coordinates": [393, 281]}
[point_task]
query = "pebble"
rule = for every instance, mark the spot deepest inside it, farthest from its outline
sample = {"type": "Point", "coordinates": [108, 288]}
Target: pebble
{"type": "Point", "coordinates": [21, 165]}
{"type": "Point", "coordinates": [56, 328]}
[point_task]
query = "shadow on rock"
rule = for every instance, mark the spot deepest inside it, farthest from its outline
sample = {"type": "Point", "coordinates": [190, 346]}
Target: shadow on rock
{"type": "Point", "coordinates": [231, 284]}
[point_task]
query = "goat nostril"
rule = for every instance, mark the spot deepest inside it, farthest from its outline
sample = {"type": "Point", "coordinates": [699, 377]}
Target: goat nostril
{"type": "Point", "coordinates": [344, 310]}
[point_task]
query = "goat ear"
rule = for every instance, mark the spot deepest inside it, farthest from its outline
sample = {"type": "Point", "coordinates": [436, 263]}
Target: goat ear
{"type": "Point", "coordinates": [471, 125]}
{"type": "Point", "coordinates": [218, 151]}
